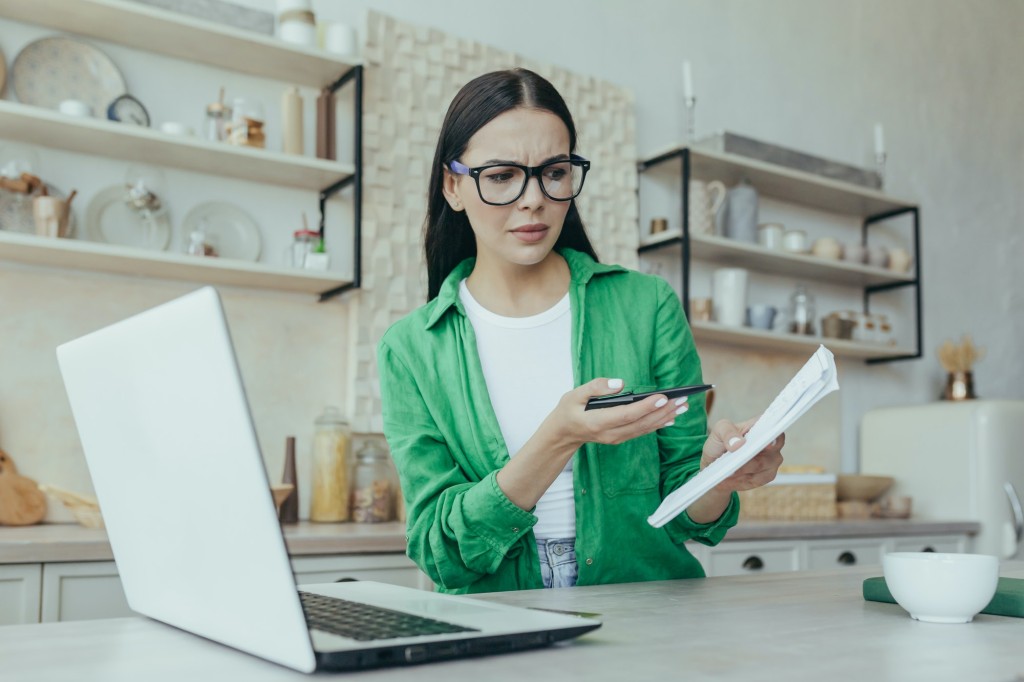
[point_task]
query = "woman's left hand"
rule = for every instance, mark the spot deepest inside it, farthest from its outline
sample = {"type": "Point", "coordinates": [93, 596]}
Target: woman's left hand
{"type": "Point", "coordinates": [727, 436]}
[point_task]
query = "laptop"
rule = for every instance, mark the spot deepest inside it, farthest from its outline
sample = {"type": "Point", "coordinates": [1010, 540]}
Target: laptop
{"type": "Point", "coordinates": [164, 421]}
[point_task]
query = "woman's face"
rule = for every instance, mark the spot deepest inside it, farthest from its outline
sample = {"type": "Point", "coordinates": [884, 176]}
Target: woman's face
{"type": "Point", "coordinates": [523, 232]}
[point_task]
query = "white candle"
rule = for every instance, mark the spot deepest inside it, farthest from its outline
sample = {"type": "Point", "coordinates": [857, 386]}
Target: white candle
{"type": "Point", "coordinates": [879, 140]}
{"type": "Point", "coordinates": [687, 80]}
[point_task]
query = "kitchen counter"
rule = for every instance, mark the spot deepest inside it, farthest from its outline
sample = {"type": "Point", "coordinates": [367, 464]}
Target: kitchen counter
{"type": "Point", "coordinates": [71, 542]}
{"type": "Point", "coordinates": [789, 626]}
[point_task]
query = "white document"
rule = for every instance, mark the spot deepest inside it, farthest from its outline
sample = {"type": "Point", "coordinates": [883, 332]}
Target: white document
{"type": "Point", "coordinates": [815, 380]}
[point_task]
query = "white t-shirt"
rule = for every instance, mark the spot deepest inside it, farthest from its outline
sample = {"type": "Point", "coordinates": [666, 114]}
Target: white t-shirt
{"type": "Point", "coordinates": [527, 364]}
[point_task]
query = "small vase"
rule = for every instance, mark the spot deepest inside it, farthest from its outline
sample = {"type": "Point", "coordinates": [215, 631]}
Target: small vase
{"type": "Point", "coordinates": [289, 510]}
{"type": "Point", "coordinates": [959, 386]}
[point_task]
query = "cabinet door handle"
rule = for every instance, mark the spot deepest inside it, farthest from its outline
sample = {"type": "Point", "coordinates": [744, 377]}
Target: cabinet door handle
{"type": "Point", "coordinates": [928, 548]}
{"type": "Point", "coordinates": [847, 559]}
{"type": "Point", "coordinates": [753, 563]}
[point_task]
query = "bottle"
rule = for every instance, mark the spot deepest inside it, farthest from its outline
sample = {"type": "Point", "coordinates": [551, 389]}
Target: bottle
{"type": "Point", "coordinates": [330, 476]}
{"type": "Point", "coordinates": [217, 116]}
{"type": "Point", "coordinates": [801, 311]}
{"type": "Point", "coordinates": [373, 486]}
{"type": "Point", "coordinates": [291, 122]}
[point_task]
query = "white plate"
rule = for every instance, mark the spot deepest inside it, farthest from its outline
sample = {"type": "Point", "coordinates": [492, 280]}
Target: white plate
{"type": "Point", "coordinates": [229, 230]}
{"type": "Point", "coordinates": [110, 219]}
{"type": "Point", "coordinates": [16, 211]}
{"type": "Point", "coordinates": [51, 70]}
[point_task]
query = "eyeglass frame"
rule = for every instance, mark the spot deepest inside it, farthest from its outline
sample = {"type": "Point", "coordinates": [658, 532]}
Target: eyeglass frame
{"type": "Point", "coordinates": [530, 171]}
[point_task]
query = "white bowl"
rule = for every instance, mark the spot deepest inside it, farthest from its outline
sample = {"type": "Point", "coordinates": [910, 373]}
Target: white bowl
{"type": "Point", "coordinates": [941, 588]}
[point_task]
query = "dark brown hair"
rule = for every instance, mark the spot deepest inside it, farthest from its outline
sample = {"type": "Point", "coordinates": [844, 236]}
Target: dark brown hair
{"type": "Point", "coordinates": [449, 239]}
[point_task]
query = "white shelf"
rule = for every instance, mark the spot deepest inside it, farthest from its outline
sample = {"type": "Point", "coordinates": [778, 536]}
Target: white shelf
{"type": "Point", "coordinates": [787, 184]}
{"type": "Point", "coordinates": [711, 332]}
{"type": "Point", "coordinates": [182, 37]}
{"type": "Point", "coordinates": [755, 257]}
{"type": "Point", "coordinates": [82, 255]}
{"type": "Point", "coordinates": [44, 127]}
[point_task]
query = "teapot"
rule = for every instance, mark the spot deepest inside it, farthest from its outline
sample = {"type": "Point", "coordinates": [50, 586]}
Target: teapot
{"type": "Point", "coordinates": [52, 214]}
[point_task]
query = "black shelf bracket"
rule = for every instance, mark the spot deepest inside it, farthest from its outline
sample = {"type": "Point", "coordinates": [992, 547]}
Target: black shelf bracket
{"type": "Point", "coordinates": [683, 155]}
{"type": "Point", "coordinates": [355, 76]}
{"type": "Point", "coordinates": [915, 283]}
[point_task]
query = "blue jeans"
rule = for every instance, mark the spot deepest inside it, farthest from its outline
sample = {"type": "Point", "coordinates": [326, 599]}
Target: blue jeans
{"type": "Point", "coordinates": [558, 562]}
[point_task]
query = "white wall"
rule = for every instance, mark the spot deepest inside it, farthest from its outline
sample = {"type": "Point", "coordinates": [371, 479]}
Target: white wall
{"type": "Point", "coordinates": [943, 76]}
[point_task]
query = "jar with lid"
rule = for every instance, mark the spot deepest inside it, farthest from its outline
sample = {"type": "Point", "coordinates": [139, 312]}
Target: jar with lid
{"type": "Point", "coordinates": [373, 486]}
{"type": "Point", "coordinates": [304, 242]}
{"type": "Point", "coordinates": [332, 440]}
{"type": "Point", "coordinates": [218, 115]}
{"type": "Point", "coordinates": [246, 126]}
{"type": "Point", "coordinates": [801, 311]}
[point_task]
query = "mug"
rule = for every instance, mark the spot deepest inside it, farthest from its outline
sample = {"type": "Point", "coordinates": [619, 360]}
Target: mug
{"type": "Point", "coordinates": [899, 260]}
{"type": "Point", "coordinates": [795, 241]}
{"type": "Point", "coordinates": [729, 296]}
{"type": "Point", "coordinates": [706, 201]}
{"type": "Point", "coordinates": [700, 309]}
{"type": "Point", "coordinates": [51, 216]}
{"type": "Point", "coordinates": [827, 247]}
{"type": "Point", "coordinates": [769, 235]}
{"type": "Point", "coordinates": [761, 316]}
{"type": "Point", "coordinates": [854, 253]}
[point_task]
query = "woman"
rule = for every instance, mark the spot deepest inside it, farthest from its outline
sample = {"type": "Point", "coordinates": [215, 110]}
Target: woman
{"type": "Point", "coordinates": [509, 483]}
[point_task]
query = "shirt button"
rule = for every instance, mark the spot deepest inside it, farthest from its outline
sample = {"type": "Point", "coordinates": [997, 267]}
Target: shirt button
{"type": "Point", "coordinates": [590, 562]}
{"type": "Point", "coordinates": [584, 491]}
{"type": "Point", "coordinates": [515, 530]}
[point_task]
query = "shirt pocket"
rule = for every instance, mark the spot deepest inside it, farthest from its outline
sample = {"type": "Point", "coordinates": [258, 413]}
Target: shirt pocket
{"type": "Point", "coordinates": [630, 467]}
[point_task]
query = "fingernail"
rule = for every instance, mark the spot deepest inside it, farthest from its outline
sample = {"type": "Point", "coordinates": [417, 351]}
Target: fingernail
{"type": "Point", "coordinates": [670, 423]}
{"type": "Point", "coordinates": [615, 384]}
{"type": "Point", "coordinates": [684, 408]}
{"type": "Point", "coordinates": [680, 401]}
{"type": "Point", "coordinates": [661, 402]}
{"type": "Point", "coordinates": [734, 440]}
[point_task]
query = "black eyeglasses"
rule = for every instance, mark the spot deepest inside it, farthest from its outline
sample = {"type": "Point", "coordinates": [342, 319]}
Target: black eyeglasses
{"type": "Point", "coordinates": [501, 184]}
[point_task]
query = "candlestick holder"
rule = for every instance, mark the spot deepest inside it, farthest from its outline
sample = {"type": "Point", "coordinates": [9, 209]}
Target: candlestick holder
{"type": "Point", "coordinates": [691, 120]}
{"type": "Point", "coordinates": [880, 166]}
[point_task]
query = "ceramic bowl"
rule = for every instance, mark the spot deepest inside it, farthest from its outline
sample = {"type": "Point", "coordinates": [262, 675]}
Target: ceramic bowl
{"type": "Point", "coordinates": [861, 488]}
{"type": "Point", "coordinates": [941, 588]}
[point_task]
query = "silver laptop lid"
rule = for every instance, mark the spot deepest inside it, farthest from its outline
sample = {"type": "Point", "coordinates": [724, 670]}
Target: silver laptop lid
{"type": "Point", "coordinates": [164, 422]}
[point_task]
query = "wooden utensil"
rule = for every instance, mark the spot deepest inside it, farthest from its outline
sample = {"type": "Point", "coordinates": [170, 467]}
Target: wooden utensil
{"type": "Point", "coordinates": [21, 501]}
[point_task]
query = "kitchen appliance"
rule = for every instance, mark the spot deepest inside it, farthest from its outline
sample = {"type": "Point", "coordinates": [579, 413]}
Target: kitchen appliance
{"type": "Point", "coordinates": [961, 460]}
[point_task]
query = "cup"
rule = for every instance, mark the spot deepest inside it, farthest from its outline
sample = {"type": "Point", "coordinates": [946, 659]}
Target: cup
{"type": "Point", "coordinates": [827, 247]}
{"type": "Point", "coordinates": [700, 309]}
{"type": "Point", "coordinates": [878, 256]}
{"type": "Point", "coordinates": [341, 39]}
{"type": "Point", "coordinates": [899, 260]}
{"type": "Point", "coordinates": [51, 216]}
{"type": "Point", "coordinates": [75, 107]}
{"type": "Point", "coordinates": [761, 316]}
{"type": "Point", "coordinates": [729, 296]}
{"type": "Point", "coordinates": [769, 235]}
{"type": "Point", "coordinates": [706, 201]}
{"type": "Point", "coordinates": [795, 241]}
{"type": "Point", "coordinates": [854, 253]}
{"type": "Point", "coordinates": [659, 225]}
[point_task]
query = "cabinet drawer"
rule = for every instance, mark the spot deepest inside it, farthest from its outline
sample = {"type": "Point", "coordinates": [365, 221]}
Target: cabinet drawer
{"type": "Point", "coordinates": [395, 569]}
{"type": "Point", "coordinates": [737, 559]}
{"type": "Point", "coordinates": [825, 555]}
{"type": "Point", "coordinates": [82, 591]}
{"type": "Point", "coordinates": [937, 543]}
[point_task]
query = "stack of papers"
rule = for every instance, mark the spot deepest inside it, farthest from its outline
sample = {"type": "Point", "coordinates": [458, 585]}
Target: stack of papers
{"type": "Point", "coordinates": [815, 380]}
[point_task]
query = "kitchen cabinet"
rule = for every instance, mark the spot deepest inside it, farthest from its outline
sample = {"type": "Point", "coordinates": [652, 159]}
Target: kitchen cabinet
{"type": "Point", "coordinates": [180, 36]}
{"type": "Point", "coordinates": [395, 569]}
{"type": "Point", "coordinates": [778, 556]}
{"type": "Point", "coordinates": [19, 593]}
{"type": "Point", "coordinates": [82, 591]}
{"type": "Point", "coordinates": [805, 190]}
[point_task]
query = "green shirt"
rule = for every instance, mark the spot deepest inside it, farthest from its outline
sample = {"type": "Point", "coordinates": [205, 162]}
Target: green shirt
{"type": "Point", "coordinates": [463, 531]}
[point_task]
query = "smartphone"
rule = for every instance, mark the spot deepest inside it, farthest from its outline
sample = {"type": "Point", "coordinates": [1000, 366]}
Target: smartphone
{"type": "Point", "coordinates": [629, 397]}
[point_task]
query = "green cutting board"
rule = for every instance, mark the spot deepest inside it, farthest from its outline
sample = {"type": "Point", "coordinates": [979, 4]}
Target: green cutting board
{"type": "Point", "coordinates": [1008, 601]}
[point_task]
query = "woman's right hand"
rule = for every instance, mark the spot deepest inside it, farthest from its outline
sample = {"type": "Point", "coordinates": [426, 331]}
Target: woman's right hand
{"type": "Point", "coordinates": [575, 425]}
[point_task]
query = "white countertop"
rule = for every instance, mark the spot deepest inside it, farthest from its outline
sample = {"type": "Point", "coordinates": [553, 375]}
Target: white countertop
{"type": "Point", "coordinates": [783, 626]}
{"type": "Point", "coordinates": [71, 542]}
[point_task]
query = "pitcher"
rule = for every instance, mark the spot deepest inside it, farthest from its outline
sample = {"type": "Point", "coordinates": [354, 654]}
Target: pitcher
{"type": "Point", "coordinates": [706, 202]}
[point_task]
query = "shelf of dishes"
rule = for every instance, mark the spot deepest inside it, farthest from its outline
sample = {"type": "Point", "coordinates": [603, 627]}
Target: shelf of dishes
{"type": "Point", "coordinates": [176, 35]}
{"type": "Point", "coordinates": [784, 183]}
{"type": "Point", "coordinates": [774, 261]}
{"type": "Point", "coordinates": [111, 258]}
{"type": "Point", "coordinates": [767, 340]}
{"type": "Point", "coordinates": [44, 127]}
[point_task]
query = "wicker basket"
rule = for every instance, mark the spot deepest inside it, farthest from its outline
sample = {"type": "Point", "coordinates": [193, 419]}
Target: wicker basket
{"type": "Point", "coordinates": [85, 509]}
{"type": "Point", "coordinates": [789, 502]}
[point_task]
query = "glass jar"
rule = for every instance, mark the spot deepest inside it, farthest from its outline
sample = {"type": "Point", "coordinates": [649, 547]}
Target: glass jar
{"type": "Point", "coordinates": [304, 242]}
{"type": "Point", "coordinates": [332, 441]}
{"type": "Point", "coordinates": [217, 117]}
{"type": "Point", "coordinates": [801, 311]}
{"type": "Point", "coordinates": [246, 128]}
{"type": "Point", "coordinates": [373, 486]}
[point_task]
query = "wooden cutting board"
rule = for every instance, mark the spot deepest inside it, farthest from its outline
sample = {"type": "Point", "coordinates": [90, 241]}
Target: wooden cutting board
{"type": "Point", "coordinates": [22, 503]}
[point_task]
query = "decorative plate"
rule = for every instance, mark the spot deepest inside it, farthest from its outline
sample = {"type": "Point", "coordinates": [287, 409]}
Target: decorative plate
{"type": "Point", "coordinates": [110, 219]}
{"type": "Point", "coordinates": [51, 70]}
{"type": "Point", "coordinates": [229, 230]}
{"type": "Point", "coordinates": [16, 211]}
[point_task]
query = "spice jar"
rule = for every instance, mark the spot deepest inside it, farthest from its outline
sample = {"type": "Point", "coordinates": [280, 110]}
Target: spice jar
{"type": "Point", "coordinates": [330, 476]}
{"type": "Point", "coordinates": [304, 242]}
{"type": "Point", "coordinates": [218, 115]}
{"type": "Point", "coordinates": [246, 127]}
{"type": "Point", "coordinates": [801, 311]}
{"type": "Point", "coordinates": [373, 486]}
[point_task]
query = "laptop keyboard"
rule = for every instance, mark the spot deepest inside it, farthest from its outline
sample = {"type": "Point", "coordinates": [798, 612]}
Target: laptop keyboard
{"type": "Point", "coordinates": [363, 622]}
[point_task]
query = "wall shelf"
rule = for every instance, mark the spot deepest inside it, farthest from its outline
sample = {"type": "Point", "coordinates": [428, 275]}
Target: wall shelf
{"type": "Point", "coordinates": [765, 340]}
{"type": "Point", "coordinates": [76, 254]}
{"type": "Point", "coordinates": [183, 37]}
{"type": "Point", "coordinates": [47, 128]}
